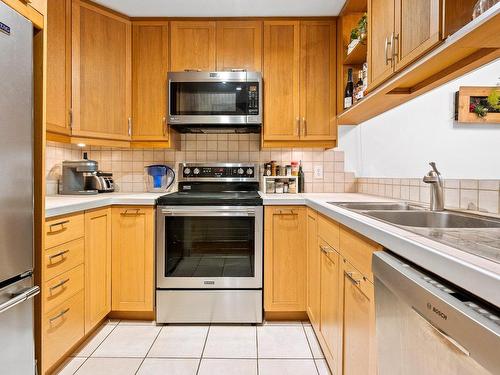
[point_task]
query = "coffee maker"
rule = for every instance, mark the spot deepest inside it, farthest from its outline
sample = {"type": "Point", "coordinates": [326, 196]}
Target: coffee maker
{"type": "Point", "coordinates": [76, 175]}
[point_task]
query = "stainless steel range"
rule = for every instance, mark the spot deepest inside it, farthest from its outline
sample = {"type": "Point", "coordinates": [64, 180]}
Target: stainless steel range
{"type": "Point", "coordinates": [209, 246]}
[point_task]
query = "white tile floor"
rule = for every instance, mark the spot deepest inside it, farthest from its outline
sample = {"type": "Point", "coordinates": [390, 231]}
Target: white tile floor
{"type": "Point", "coordinates": [134, 347]}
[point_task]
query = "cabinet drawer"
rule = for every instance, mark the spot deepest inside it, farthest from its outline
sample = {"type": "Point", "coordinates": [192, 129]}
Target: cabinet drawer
{"type": "Point", "coordinates": [328, 230]}
{"type": "Point", "coordinates": [62, 258]}
{"type": "Point", "coordinates": [62, 287]}
{"type": "Point", "coordinates": [62, 327]}
{"type": "Point", "coordinates": [358, 250]}
{"type": "Point", "coordinates": [63, 229]}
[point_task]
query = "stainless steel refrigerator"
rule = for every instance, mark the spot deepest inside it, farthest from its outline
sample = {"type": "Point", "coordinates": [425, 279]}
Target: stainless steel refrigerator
{"type": "Point", "coordinates": [16, 194]}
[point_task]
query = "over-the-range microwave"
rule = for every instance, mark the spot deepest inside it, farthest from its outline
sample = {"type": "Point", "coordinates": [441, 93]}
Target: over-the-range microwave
{"type": "Point", "coordinates": [215, 102]}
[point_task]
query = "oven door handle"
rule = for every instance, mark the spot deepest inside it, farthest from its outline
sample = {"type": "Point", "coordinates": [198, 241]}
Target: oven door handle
{"type": "Point", "coordinates": [211, 212]}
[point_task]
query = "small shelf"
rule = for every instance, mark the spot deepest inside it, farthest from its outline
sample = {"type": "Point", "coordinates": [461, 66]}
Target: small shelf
{"type": "Point", "coordinates": [471, 47]}
{"type": "Point", "coordinates": [358, 55]}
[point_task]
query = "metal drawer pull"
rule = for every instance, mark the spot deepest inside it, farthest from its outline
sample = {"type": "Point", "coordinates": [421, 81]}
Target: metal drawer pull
{"type": "Point", "coordinates": [60, 223]}
{"type": "Point", "coordinates": [60, 254]}
{"type": "Point", "coordinates": [60, 315]}
{"type": "Point", "coordinates": [136, 211]}
{"type": "Point", "coordinates": [326, 249]}
{"type": "Point", "coordinates": [285, 212]}
{"type": "Point", "coordinates": [350, 275]}
{"type": "Point", "coordinates": [59, 284]}
{"type": "Point", "coordinates": [386, 48]}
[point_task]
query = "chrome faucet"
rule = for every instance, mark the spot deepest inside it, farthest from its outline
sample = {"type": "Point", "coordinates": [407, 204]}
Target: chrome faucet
{"type": "Point", "coordinates": [434, 178]}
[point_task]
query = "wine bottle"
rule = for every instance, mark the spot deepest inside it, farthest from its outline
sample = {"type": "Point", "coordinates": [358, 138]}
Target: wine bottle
{"type": "Point", "coordinates": [301, 179]}
{"type": "Point", "coordinates": [359, 91]}
{"type": "Point", "coordinates": [349, 90]}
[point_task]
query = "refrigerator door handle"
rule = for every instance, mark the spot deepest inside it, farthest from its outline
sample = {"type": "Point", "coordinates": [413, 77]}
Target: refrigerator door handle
{"type": "Point", "coordinates": [19, 298]}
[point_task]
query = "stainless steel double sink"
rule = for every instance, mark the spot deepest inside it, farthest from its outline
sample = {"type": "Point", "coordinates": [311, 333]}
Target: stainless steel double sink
{"type": "Point", "coordinates": [412, 215]}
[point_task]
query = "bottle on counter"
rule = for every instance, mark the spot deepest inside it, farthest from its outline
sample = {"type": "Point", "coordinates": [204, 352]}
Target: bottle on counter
{"type": "Point", "coordinates": [295, 168]}
{"type": "Point", "coordinates": [301, 179]}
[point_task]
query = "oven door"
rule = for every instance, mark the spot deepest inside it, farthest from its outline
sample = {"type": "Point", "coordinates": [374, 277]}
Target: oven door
{"type": "Point", "coordinates": [214, 98]}
{"type": "Point", "coordinates": [211, 247]}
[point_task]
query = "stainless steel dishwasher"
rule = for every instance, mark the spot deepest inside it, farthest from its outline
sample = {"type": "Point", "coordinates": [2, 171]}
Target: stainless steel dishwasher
{"type": "Point", "coordinates": [426, 326]}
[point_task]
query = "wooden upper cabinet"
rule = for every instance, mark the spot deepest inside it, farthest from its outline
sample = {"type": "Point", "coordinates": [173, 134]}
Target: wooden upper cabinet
{"type": "Point", "coordinates": [313, 269]}
{"type": "Point", "coordinates": [239, 45]}
{"type": "Point", "coordinates": [192, 45]}
{"type": "Point", "coordinates": [101, 73]}
{"type": "Point", "coordinates": [417, 29]}
{"type": "Point", "coordinates": [149, 81]}
{"type": "Point", "coordinates": [281, 80]}
{"type": "Point", "coordinates": [317, 80]}
{"type": "Point", "coordinates": [133, 258]}
{"type": "Point", "coordinates": [58, 96]}
{"type": "Point", "coordinates": [97, 266]}
{"type": "Point", "coordinates": [381, 15]}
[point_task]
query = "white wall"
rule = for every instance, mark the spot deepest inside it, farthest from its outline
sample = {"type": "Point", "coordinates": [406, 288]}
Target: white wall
{"type": "Point", "coordinates": [400, 142]}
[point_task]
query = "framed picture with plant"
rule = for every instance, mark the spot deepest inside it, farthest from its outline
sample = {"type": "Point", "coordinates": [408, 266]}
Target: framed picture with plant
{"type": "Point", "coordinates": [475, 104]}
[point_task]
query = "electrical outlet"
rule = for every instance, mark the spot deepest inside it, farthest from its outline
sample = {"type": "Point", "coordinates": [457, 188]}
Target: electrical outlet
{"type": "Point", "coordinates": [318, 171]}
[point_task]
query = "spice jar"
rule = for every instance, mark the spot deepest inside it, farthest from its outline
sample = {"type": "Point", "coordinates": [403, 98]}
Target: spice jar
{"type": "Point", "coordinates": [278, 170]}
{"type": "Point", "coordinates": [285, 187]}
{"type": "Point", "coordinates": [279, 187]}
{"type": "Point", "coordinates": [273, 168]}
{"type": "Point", "coordinates": [292, 187]}
{"type": "Point", "coordinates": [295, 168]}
{"type": "Point", "coordinates": [288, 169]}
{"type": "Point", "coordinates": [267, 169]}
{"type": "Point", "coordinates": [270, 186]}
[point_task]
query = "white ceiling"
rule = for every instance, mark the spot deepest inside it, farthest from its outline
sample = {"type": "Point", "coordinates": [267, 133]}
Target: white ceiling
{"type": "Point", "coordinates": [224, 8]}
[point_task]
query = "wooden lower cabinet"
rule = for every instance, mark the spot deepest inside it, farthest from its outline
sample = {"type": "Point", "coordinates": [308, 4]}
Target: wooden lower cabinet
{"type": "Point", "coordinates": [63, 327]}
{"type": "Point", "coordinates": [133, 258]}
{"type": "Point", "coordinates": [344, 322]}
{"type": "Point", "coordinates": [313, 269]}
{"type": "Point", "coordinates": [359, 323]}
{"type": "Point", "coordinates": [285, 259]}
{"type": "Point", "coordinates": [97, 266]}
{"type": "Point", "coordinates": [331, 314]}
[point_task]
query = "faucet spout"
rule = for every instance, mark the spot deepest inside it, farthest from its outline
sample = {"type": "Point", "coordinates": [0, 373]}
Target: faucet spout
{"type": "Point", "coordinates": [434, 178]}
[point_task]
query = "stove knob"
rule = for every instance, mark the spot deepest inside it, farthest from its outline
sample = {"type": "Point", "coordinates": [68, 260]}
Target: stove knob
{"type": "Point", "coordinates": [241, 171]}
{"type": "Point", "coordinates": [196, 171]}
{"type": "Point", "coordinates": [249, 171]}
{"type": "Point", "coordinates": [187, 171]}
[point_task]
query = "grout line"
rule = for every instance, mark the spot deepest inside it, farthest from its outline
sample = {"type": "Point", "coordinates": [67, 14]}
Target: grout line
{"type": "Point", "coordinates": [203, 350]}
{"type": "Point", "coordinates": [144, 358]}
{"type": "Point", "coordinates": [310, 349]}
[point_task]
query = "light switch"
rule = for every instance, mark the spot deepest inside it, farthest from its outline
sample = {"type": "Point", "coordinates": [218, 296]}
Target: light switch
{"type": "Point", "coordinates": [318, 171]}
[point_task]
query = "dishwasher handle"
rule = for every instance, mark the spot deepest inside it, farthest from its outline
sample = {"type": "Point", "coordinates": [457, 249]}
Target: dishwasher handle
{"type": "Point", "coordinates": [458, 319]}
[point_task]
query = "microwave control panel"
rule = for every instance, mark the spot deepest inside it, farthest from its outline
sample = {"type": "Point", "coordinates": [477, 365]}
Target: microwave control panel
{"type": "Point", "coordinates": [253, 98]}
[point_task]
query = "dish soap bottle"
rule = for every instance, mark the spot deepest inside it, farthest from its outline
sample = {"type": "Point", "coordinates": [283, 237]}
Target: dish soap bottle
{"type": "Point", "coordinates": [300, 188]}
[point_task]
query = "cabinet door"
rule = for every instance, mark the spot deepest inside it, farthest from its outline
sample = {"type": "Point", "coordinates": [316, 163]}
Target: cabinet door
{"type": "Point", "coordinates": [133, 258]}
{"type": "Point", "coordinates": [149, 81]}
{"type": "Point", "coordinates": [101, 73]}
{"type": "Point", "coordinates": [97, 266]}
{"type": "Point", "coordinates": [381, 31]}
{"type": "Point", "coordinates": [313, 269]}
{"type": "Point", "coordinates": [192, 45]}
{"type": "Point", "coordinates": [58, 95]}
{"type": "Point", "coordinates": [285, 259]}
{"type": "Point", "coordinates": [417, 29]}
{"type": "Point", "coordinates": [317, 80]}
{"type": "Point", "coordinates": [359, 323]}
{"type": "Point", "coordinates": [331, 314]}
{"type": "Point", "coordinates": [239, 45]}
{"type": "Point", "coordinates": [281, 80]}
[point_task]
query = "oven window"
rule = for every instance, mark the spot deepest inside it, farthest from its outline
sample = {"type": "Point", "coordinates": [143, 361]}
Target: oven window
{"type": "Point", "coordinates": [209, 246]}
{"type": "Point", "coordinates": [208, 98]}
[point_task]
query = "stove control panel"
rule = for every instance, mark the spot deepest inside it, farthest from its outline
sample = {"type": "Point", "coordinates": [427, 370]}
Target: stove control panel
{"type": "Point", "coordinates": [219, 171]}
